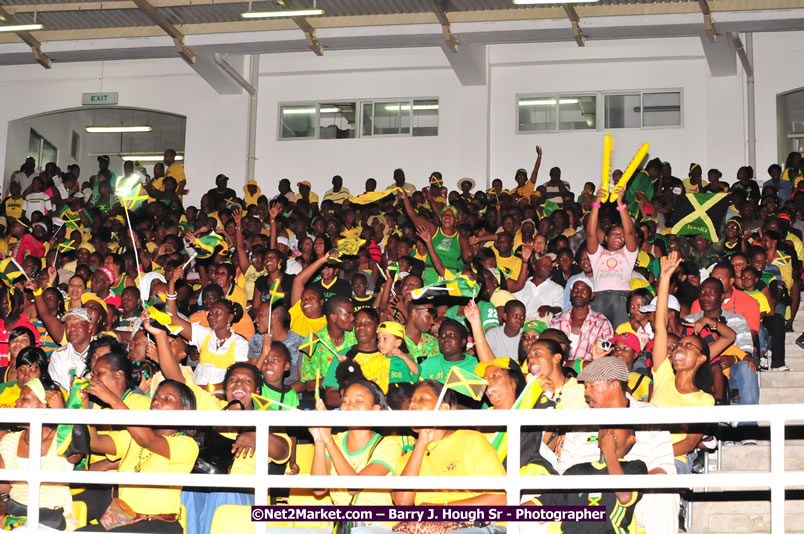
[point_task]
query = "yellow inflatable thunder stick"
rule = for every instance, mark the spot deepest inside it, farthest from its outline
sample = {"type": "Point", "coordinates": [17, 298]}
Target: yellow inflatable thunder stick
{"type": "Point", "coordinates": [606, 168]}
{"type": "Point", "coordinates": [632, 167]}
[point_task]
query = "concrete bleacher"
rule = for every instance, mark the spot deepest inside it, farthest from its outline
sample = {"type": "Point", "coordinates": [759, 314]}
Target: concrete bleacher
{"type": "Point", "coordinates": [720, 512]}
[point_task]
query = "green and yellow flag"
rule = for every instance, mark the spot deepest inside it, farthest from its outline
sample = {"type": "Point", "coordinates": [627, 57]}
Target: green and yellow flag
{"type": "Point", "coordinates": [530, 396]}
{"type": "Point", "coordinates": [10, 270]}
{"type": "Point", "coordinates": [700, 214]}
{"type": "Point", "coordinates": [459, 286]}
{"type": "Point", "coordinates": [274, 293]}
{"type": "Point", "coordinates": [207, 245]}
{"type": "Point", "coordinates": [130, 192]}
{"type": "Point", "coordinates": [372, 196]}
{"type": "Point", "coordinates": [158, 312]}
{"type": "Point", "coordinates": [466, 383]}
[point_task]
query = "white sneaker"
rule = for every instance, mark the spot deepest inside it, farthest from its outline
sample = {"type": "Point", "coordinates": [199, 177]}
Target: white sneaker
{"type": "Point", "coordinates": [780, 369]}
{"type": "Point", "coordinates": [763, 363]}
{"type": "Point", "coordinates": [749, 442]}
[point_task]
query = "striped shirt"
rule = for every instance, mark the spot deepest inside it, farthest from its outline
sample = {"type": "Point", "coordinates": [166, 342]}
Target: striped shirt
{"type": "Point", "coordinates": [50, 495]}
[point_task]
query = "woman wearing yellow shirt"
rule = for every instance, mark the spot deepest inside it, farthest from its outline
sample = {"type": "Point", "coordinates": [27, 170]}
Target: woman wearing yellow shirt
{"type": "Point", "coordinates": [148, 450]}
{"type": "Point", "coordinates": [442, 451]}
{"type": "Point", "coordinates": [677, 373]}
{"type": "Point", "coordinates": [54, 499]}
{"type": "Point", "coordinates": [357, 451]}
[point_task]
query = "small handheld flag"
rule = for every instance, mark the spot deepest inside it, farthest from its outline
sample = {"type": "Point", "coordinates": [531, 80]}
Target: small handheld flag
{"type": "Point", "coordinates": [466, 383]}
{"type": "Point", "coordinates": [275, 293]}
{"type": "Point", "coordinates": [311, 341]}
{"type": "Point", "coordinates": [207, 245]}
{"type": "Point", "coordinates": [460, 286]}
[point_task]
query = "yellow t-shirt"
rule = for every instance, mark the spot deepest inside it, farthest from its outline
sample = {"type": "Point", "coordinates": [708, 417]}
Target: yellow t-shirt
{"type": "Point", "coordinates": [526, 191]}
{"type": "Point", "coordinates": [303, 325]}
{"type": "Point", "coordinates": [312, 197]}
{"type": "Point", "coordinates": [666, 394]}
{"type": "Point", "coordinates": [510, 266]}
{"type": "Point", "coordinates": [570, 396]}
{"type": "Point", "coordinates": [246, 281]}
{"type": "Point", "coordinates": [238, 295]}
{"type": "Point", "coordinates": [462, 453]}
{"type": "Point", "coordinates": [764, 305]}
{"type": "Point", "coordinates": [386, 453]}
{"type": "Point", "coordinates": [134, 458]}
{"type": "Point", "coordinates": [176, 171]}
{"type": "Point", "coordinates": [14, 207]}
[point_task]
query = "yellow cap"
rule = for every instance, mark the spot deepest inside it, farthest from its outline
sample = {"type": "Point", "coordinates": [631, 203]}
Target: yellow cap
{"type": "Point", "coordinates": [86, 297]}
{"type": "Point", "coordinates": [502, 363]}
{"type": "Point", "coordinates": [393, 328]}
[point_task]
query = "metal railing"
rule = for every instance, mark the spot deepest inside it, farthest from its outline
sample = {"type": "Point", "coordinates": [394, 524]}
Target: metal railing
{"type": "Point", "coordinates": [777, 479]}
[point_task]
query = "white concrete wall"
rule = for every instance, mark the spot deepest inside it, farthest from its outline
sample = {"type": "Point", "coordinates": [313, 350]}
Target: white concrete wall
{"type": "Point", "coordinates": [470, 142]}
{"type": "Point", "coordinates": [216, 125]}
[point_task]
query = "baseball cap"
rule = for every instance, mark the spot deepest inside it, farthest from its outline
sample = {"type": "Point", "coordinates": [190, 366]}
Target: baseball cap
{"type": "Point", "coordinates": [535, 326]}
{"type": "Point", "coordinates": [86, 297]}
{"type": "Point", "coordinates": [502, 363]}
{"type": "Point", "coordinates": [221, 177]}
{"type": "Point", "coordinates": [606, 368]}
{"type": "Point", "coordinates": [672, 303]}
{"type": "Point", "coordinates": [80, 313]}
{"type": "Point", "coordinates": [393, 328]}
{"type": "Point", "coordinates": [630, 340]}
{"type": "Point", "coordinates": [584, 280]}
{"type": "Point", "coordinates": [282, 240]}
{"type": "Point", "coordinates": [305, 182]}
{"type": "Point", "coordinates": [531, 221]}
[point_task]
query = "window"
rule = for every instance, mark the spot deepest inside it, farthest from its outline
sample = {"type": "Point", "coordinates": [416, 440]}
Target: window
{"type": "Point", "coordinates": [643, 109]}
{"type": "Point", "coordinates": [75, 145]}
{"type": "Point", "coordinates": [368, 118]}
{"type": "Point", "coordinates": [556, 113]}
{"type": "Point", "coordinates": [41, 150]}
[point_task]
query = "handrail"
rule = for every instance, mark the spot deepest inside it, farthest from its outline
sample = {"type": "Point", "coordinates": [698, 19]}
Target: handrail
{"type": "Point", "coordinates": [777, 479]}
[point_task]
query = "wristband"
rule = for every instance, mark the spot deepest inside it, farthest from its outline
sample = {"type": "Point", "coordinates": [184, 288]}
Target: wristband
{"type": "Point", "coordinates": [37, 292]}
{"type": "Point", "coordinates": [170, 297]}
{"type": "Point", "coordinates": [622, 207]}
{"type": "Point", "coordinates": [596, 205]}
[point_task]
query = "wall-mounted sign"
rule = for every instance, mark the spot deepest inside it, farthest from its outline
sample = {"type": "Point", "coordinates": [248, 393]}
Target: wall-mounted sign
{"type": "Point", "coordinates": [99, 99]}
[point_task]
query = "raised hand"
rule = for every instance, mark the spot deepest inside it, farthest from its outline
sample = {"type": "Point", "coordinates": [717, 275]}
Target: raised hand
{"type": "Point", "coordinates": [671, 264]}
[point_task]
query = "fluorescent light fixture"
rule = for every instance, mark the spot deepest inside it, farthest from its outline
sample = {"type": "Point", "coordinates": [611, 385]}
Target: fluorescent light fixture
{"type": "Point", "coordinates": [148, 157]}
{"type": "Point", "coordinates": [117, 129]}
{"type": "Point", "coordinates": [329, 110]}
{"type": "Point", "coordinates": [298, 111]}
{"type": "Point", "coordinates": [21, 27]}
{"type": "Point", "coordinates": [537, 2]}
{"type": "Point", "coordinates": [547, 102]}
{"type": "Point", "coordinates": [417, 107]}
{"type": "Point", "coordinates": [281, 13]}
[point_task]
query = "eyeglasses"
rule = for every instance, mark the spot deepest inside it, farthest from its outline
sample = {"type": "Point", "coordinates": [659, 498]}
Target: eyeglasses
{"type": "Point", "coordinates": [431, 311]}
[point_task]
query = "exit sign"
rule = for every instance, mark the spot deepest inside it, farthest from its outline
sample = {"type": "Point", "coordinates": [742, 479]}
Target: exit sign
{"type": "Point", "coordinates": [99, 99]}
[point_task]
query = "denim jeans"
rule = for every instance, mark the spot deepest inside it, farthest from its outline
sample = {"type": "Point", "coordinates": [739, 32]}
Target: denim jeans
{"type": "Point", "coordinates": [745, 381]}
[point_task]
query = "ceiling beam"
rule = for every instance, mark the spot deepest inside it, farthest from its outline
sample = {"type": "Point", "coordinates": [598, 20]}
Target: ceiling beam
{"type": "Point", "coordinates": [309, 32]}
{"type": "Point", "coordinates": [168, 28]}
{"type": "Point", "coordinates": [30, 40]}
{"type": "Point", "coordinates": [709, 25]}
{"type": "Point", "coordinates": [572, 15]}
{"type": "Point", "coordinates": [441, 15]}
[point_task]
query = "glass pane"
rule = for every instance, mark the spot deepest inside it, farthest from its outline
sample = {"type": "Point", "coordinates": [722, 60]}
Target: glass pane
{"type": "Point", "coordinates": [368, 112]}
{"type": "Point", "coordinates": [337, 121]}
{"type": "Point", "coordinates": [577, 112]}
{"type": "Point", "coordinates": [425, 117]}
{"type": "Point", "coordinates": [297, 121]}
{"type": "Point", "coordinates": [388, 118]}
{"type": "Point", "coordinates": [49, 153]}
{"type": "Point", "coordinates": [622, 111]}
{"type": "Point", "coordinates": [537, 114]}
{"type": "Point", "coordinates": [34, 144]}
{"type": "Point", "coordinates": [662, 109]}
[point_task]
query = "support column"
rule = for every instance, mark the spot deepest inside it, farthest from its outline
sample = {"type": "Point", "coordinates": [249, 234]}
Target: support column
{"type": "Point", "coordinates": [253, 98]}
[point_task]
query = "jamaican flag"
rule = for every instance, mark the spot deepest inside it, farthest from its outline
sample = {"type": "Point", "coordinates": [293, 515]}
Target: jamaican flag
{"type": "Point", "coordinates": [550, 207]}
{"type": "Point", "coordinates": [466, 383]}
{"type": "Point", "coordinates": [74, 439]}
{"type": "Point", "coordinates": [700, 214]}
{"type": "Point", "coordinates": [372, 196]}
{"type": "Point", "coordinates": [453, 286]}
{"type": "Point", "coordinates": [10, 270]}
{"type": "Point", "coordinates": [208, 244]}
{"type": "Point", "coordinates": [130, 192]}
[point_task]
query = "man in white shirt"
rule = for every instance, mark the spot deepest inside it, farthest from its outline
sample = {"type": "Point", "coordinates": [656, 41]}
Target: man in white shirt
{"type": "Point", "coordinates": [605, 381]}
{"type": "Point", "coordinates": [541, 295]}
{"type": "Point", "coordinates": [69, 362]}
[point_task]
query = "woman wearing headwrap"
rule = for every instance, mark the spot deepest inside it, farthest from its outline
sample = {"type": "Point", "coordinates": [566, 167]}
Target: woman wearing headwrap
{"type": "Point", "coordinates": [694, 183]}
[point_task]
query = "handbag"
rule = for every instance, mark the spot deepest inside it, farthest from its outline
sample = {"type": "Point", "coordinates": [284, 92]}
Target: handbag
{"type": "Point", "coordinates": [49, 517]}
{"type": "Point", "coordinates": [118, 514]}
{"type": "Point", "coordinates": [215, 456]}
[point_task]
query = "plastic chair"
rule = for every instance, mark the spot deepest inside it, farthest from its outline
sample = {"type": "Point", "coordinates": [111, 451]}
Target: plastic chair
{"type": "Point", "coordinates": [80, 513]}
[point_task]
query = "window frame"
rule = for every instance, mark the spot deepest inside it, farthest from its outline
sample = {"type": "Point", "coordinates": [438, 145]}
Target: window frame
{"type": "Point", "coordinates": [642, 93]}
{"type": "Point", "coordinates": [557, 97]}
{"type": "Point", "coordinates": [42, 140]}
{"type": "Point", "coordinates": [359, 122]}
{"type": "Point", "coordinates": [600, 109]}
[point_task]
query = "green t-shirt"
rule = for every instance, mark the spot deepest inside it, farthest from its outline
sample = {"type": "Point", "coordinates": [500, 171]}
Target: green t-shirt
{"type": "Point", "coordinates": [488, 315]}
{"type": "Point", "coordinates": [288, 397]}
{"type": "Point", "coordinates": [322, 357]}
{"type": "Point", "coordinates": [437, 367]}
{"type": "Point", "coordinates": [426, 348]}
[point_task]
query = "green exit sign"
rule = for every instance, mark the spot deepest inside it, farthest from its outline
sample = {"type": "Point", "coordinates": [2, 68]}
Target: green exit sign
{"type": "Point", "coordinates": [99, 99]}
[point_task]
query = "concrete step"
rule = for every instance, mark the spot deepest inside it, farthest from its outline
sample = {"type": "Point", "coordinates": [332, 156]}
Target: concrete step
{"type": "Point", "coordinates": [757, 457]}
{"type": "Point", "coordinates": [787, 379]}
{"type": "Point", "coordinates": [783, 395]}
{"type": "Point", "coordinates": [742, 516]}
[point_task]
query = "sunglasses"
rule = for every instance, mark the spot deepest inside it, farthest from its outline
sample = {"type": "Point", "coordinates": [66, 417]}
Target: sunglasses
{"type": "Point", "coordinates": [431, 311]}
